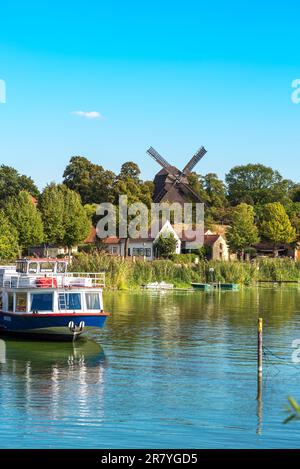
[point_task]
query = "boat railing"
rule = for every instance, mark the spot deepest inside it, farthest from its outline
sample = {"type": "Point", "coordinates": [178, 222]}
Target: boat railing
{"type": "Point", "coordinates": [51, 280]}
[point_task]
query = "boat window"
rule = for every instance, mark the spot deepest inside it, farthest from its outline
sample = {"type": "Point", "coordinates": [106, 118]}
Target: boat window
{"type": "Point", "coordinates": [1, 301]}
{"type": "Point", "coordinates": [69, 301]}
{"type": "Point", "coordinates": [21, 302]}
{"type": "Point", "coordinates": [41, 302]}
{"type": "Point", "coordinates": [32, 269]}
{"type": "Point", "coordinates": [92, 301]}
{"type": "Point", "coordinates": [10, 301]}
{"type": "Point", "coordinates": [47, 267]}
{"type": "Point", "coordinates": [21, 267]}
{"type": "Point", "coordinates": [61, 267]}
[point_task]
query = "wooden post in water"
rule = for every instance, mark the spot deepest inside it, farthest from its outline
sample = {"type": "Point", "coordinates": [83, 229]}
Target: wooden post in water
{"type": "Point", "coordinates": [260, 345]}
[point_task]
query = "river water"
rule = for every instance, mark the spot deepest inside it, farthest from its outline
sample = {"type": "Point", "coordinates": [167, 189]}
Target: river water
{"type": "Point", "coordinates": [169, 370]}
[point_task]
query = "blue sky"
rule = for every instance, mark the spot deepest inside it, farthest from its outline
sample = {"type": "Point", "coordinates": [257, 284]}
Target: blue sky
{"type": "Point", "coordinates": [174, 75]}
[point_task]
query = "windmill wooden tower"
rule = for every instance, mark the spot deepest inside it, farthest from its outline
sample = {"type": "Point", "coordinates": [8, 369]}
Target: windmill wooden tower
{"type": "Point", "coordinates": [171, 184]}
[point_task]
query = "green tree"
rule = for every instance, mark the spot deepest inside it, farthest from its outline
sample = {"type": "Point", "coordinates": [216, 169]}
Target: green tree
{"type": "Point", "coordinates": [52, 207]}
{"type": "Point", "coordinates": [130, 170]}
{"type": "Point", "coordinates": [293, 211]}
{"type": "Point", "coordinates": [276, 225]}
{"type": "Point", "coordinates": [196, 182]}
{"type": "Point", "coordinates": [76, 221]}
{"type": "Point", "coordinates": [215, 190]}
{"type": "Point", "coordinates": [9, 248]}
{"type": "Point", "coordinates": [91, 181]}
{"type": "Point", "coordinates": [165, 246]}
{"type": "Point", "coordinates": [243, 231]}
{"type": "Point", "coordinates": [295, 193]}
{"type": "Point", "coordinates": [11, 183]}
{"type": "Point", "coordinates": [23, 214]}
{"type": "Point", "coordinates": [90, 210]}
{"type": "Point", "coordinates": [256, 184]}
{"type": "Point", "coordinates": [67, 222]}
{"type": "Point", "coordinates": [212, 191]}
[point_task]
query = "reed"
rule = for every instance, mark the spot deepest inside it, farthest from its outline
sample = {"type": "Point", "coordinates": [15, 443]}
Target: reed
{"type": "Point", "coordinates": [129, 274]}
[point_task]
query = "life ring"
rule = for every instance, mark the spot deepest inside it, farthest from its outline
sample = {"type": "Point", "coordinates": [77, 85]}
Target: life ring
{"type": "Point", "coordinates": [46, 282]}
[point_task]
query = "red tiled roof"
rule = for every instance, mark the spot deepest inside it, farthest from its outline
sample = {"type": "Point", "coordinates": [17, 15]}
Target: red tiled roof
{"type": "Point", "coordinates": [91, 238]}
{"type": "Point", "coordinates": [111, 240]}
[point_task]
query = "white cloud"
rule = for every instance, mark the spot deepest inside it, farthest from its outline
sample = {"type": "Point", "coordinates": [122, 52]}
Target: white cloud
{"type": "Point", "coordinates": [88, 114]}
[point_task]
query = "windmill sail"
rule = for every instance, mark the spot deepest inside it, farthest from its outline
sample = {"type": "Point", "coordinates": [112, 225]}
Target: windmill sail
{"type": "Point", "coordinates": [159, 159]}
{"type": "Point", "coordinates": [194, 160]}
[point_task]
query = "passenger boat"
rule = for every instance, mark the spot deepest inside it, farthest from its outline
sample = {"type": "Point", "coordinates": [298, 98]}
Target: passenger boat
{"type": "Point", "coordinates": [40, 299]}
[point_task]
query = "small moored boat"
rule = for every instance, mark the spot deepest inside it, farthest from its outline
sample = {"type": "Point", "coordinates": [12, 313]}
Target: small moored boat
{"type": "Point", "coordinates": [158, 286]}
{"type": "Point", "coordinates": [202, 286]}
{"type": "Point", "coordinates": [40, 299]}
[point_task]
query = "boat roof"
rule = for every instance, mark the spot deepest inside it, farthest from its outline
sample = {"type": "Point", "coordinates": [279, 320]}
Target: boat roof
{"type": "Point", "coordinates": [42, 259]}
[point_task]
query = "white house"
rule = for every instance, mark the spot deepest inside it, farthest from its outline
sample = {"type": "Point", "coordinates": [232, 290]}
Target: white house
{"type": "Point", "coordinates": [139, 247]}
{"type": "Point", "coordinates": [215, 243]}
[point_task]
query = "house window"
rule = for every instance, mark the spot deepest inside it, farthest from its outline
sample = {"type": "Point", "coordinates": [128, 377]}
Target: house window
{"type": "Point", "coordinates": [114, 250]}
{"type": "Point", "coordinates": [21, 302]}
{"type": "Point", "coordinates": [141, 252]}
{"type": "Point", "coordinates": [41, 302]}
{"type": "Point", "coordinates": [92, 301]}
{"type": "Point", "coordinates": [10, 301]}
{"type": "Point", "coordinates": [69, 301]}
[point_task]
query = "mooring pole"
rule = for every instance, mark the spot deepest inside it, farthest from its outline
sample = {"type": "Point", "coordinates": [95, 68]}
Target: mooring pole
{"type": "Point", "coordinates": [259, 345]}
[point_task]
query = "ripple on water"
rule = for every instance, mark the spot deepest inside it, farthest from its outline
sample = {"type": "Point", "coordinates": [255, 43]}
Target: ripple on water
{"type": "Point", "coordinates": [174, 370]}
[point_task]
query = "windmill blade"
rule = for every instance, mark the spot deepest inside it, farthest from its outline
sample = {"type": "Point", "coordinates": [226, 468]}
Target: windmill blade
{"type": "Point", "coordinates": [194, 160]}
{"type": "Point", "coordinates": [159, 159]}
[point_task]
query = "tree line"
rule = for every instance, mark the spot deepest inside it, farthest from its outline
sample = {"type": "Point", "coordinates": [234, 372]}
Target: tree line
{"type": "Point", "coordinates": [254, 200]}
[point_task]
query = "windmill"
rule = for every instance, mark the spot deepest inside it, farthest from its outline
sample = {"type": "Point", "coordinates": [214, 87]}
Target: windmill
{"type": "Point", "coordinates": [171, 184]}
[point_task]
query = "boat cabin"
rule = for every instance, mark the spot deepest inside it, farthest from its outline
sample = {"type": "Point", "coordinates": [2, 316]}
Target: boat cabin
{"type": "Point", "coordinates": [45, 286]}
{"type": "Point", "coordinates": [41, 266]}
{"type": "Point", "coordinates": [51, 301]}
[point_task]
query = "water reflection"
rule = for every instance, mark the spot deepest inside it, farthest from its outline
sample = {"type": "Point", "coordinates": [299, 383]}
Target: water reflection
{"type": "Point", "coordinates": [182, 372]}
{"type": "Point", "coordinates": [259, 410]}
{"type": "Point", "coordinates": [52, 378]}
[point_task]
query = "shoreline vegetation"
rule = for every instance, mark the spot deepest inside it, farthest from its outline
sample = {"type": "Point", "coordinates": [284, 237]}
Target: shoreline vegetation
{"type": "Point", "coordinates": [129, 274]}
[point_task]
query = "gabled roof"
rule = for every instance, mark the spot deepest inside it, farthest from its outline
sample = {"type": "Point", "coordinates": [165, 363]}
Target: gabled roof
{"type": "Point", "coordinates": [209, 240]}
{"type": "Point", "coordinates": [92, 236]}
{"type": "Point", "coordinates": [33, 200]}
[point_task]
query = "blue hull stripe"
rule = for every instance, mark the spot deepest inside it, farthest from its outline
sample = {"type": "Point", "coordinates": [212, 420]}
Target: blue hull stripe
{"type": "Point", "coordinates": [24, 322]}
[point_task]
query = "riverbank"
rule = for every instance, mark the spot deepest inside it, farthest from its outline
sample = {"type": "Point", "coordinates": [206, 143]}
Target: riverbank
{"type": "Point", "coordinates": [128, 274]}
